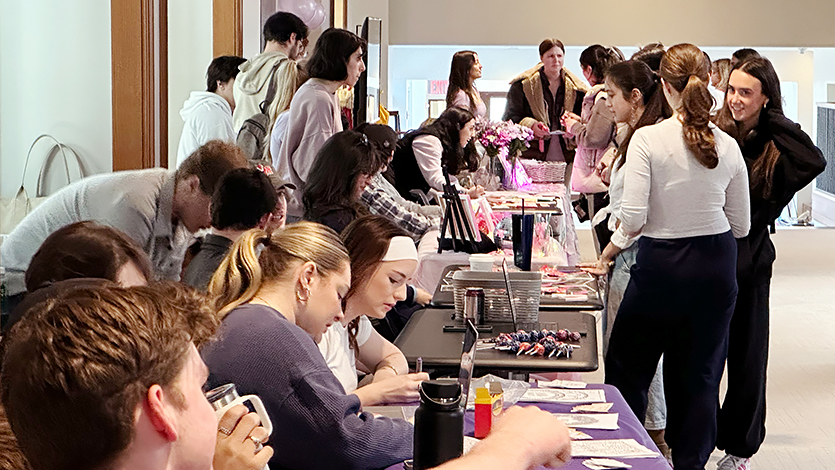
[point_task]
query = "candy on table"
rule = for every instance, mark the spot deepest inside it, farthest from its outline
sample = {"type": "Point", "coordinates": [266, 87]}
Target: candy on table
{"type": "Point", "coordinates": [546, 343]}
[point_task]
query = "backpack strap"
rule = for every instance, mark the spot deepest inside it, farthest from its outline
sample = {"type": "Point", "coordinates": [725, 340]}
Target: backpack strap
{"type": "Point", "coordinates": [271, 88]}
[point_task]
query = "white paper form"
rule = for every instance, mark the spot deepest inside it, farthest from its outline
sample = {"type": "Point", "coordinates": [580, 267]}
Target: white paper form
{"type": "Point", "coordinates": [549, 395]}
{"type": "Point", "coordinates": [623, 448]}
{"type": "Point", "coordinates": [608, 421]}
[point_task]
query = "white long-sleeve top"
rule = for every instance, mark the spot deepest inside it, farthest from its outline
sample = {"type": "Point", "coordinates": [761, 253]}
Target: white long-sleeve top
{"type": "Point", "coordinates": [428, 150]}
{"type": "Point", "coordinates": [668, 194]}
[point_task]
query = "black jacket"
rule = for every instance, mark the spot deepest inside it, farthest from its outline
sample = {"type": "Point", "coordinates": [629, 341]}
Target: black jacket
{"type": "Point", "coordinates": [799, 163]}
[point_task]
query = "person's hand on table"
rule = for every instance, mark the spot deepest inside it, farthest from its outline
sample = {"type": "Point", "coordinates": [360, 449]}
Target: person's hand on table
{"type": "Point", "coordinates": [522, 438]}
{"type": "Point", "coordinates": [541, 131]}
{"type": "Point", "coordinates": [397, 389]}
{"type": "Point", "coordinates": [476, 192]}
{"type": "Point", "coordinates": [422, 296]}
{"type": "Point", "coordinates": [601, 267]}
{"type": "Point", "coordinates": [239, 441]}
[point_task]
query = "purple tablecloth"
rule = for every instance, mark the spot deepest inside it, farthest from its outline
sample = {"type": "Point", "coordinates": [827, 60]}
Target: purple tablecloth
{"type": "Point", "coordinates": [629, 427]}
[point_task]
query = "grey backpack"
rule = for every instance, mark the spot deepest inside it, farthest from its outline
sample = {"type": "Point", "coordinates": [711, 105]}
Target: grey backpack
{"type": "Point", "coordinates": [253, 138]}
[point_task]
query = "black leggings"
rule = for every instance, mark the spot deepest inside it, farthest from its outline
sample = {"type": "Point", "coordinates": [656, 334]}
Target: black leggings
{"type": "Point", "coordinates": [679, 302]}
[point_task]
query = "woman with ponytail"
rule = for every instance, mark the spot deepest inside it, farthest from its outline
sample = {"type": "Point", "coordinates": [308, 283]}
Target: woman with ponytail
{"type": "Point", "coordinates": [781, 160]}
{"type": "Point", "coordinates": [685, 192]}
{"type": "Point", "coordinates": [383, 258]}
{"type": "Point", "coordinates": [594, 131]}
{"type": "Point", "coordinates": [277, 295]}
{"type": "Point", "coordinates": [635, 100]}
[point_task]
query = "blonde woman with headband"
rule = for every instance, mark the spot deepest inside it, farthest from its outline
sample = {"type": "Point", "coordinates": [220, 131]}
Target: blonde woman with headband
{"type": "Point", "coordinates": [288, 79]}
{"type": "Point", "coordinates": [383, 258]}
{"type": "Point", "coordinates": [277, 295]}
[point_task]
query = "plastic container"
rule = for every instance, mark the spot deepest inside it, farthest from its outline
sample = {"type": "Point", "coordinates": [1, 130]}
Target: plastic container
{"type": "Point", "coordinates": [481, 262]}
{"type": "Point", "coordinates": [527, 288]}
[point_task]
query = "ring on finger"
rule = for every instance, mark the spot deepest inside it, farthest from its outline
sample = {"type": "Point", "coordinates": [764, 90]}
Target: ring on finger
{"type": "Point", "coordinates": [224, 431]}
{"type": "Point", "coordinates": [258, 444]}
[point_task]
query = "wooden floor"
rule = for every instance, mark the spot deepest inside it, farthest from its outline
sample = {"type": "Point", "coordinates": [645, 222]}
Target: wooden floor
{"type": "Point", "coordinates": [800, 421]}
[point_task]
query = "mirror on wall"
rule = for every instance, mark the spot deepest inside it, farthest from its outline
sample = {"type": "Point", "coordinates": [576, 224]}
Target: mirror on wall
{"type": "Point", "coordinates": [367, 90]}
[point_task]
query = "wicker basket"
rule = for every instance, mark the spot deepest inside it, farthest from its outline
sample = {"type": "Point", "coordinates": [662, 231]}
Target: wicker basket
{"type": "Point", "coordinates": [544, 172]}
{"type": "Point", "coordinates": [526, 294]}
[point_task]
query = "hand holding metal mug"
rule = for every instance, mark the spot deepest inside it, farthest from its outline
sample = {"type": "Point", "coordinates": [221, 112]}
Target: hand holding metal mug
{"type": "Point", "coordinates": [240, 441]}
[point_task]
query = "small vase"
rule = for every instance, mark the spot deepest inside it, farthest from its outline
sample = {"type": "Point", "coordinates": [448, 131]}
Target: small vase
{"type": "Point", "coordinates": [495, 173]}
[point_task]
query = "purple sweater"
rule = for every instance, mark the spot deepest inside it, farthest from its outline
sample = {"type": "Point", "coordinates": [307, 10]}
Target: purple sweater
{"type": "Point", "coordinates": [315, 424]}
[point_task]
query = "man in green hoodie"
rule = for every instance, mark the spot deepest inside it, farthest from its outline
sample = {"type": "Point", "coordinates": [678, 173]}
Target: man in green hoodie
{"type": "Point", "coordinates": [285, 37]}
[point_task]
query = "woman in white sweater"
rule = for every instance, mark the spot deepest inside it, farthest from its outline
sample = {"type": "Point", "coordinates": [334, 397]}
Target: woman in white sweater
{"type": "Point", "coordinates": [314, 110]}
{"type": "Point", "coordinates": [383, 259]}
{"type": "Point", "coordinates": [686, 193]}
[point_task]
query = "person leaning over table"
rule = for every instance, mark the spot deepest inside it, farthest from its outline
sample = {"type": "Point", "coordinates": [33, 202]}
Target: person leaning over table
{"type": "Point", "coordinates": [159, 209]}
{"type": "Point", "coordinates": [274, 307]}
{"type": "Point", "coordinates": [124, 395]}
{"type": "Point", "coordinates": [537, 99]}
{"type": "Point", "coordinates": [423, 154]}
{"type": "Point", "coordinates": [343, 167]}
{"type": "Point", "coordinates": [382, 198]}
{"type": "Point", "coordinates": [781, 160]}
{"type": "Point", "coordinates": [244, 199]}
{"type": "Point", "coordinates": [382, 260]}
{"type": "Point", "coordinates": [686, 193]}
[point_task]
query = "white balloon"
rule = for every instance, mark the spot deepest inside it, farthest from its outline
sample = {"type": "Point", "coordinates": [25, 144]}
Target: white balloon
{"type": "Point", "coordinates": [305, 9]}
{"type": "Point", "coordinates": [318, 17]}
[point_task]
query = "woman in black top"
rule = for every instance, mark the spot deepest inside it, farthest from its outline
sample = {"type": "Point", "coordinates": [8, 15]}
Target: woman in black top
{"type": "Point", "coordinates": [423, 154]}
{"type": "Point", "coordinates": [343, 167]}
{"type": "Point", "coordinates": [781, 160]}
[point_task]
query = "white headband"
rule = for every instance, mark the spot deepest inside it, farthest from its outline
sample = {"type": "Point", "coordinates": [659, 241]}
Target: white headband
{"type": "Point", "coordinates": [401, 248]}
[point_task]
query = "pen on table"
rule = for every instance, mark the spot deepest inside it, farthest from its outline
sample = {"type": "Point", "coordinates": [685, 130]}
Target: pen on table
{"type": "Point", "coordinates": [419, 367]}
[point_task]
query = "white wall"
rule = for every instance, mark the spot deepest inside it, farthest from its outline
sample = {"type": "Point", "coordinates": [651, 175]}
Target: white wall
{"type": "Point", "coordinates": [189, 55]}
{"type": "Point", "coordinates": [758, 23]}
{"type": "Point", "coordinates": [55, 78]}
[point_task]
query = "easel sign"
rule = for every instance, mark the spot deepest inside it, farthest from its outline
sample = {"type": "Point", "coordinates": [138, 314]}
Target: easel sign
{"type": "Point", "coordinates": [457, 219]}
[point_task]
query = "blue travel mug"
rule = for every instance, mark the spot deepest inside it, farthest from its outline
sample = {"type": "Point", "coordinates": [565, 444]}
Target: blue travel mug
{"type": "Point", "coordinates": [522, 240]}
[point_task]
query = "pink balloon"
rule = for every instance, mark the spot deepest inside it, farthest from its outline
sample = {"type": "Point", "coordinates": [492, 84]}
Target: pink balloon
{"type": "Point", "coordinates": [318, 18]}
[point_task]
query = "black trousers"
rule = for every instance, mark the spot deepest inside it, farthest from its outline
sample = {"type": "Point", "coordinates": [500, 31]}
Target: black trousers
{"type": "Point", "coordinates": [679, 303]}
{"type": "Point", "coordinates": [742, 417]}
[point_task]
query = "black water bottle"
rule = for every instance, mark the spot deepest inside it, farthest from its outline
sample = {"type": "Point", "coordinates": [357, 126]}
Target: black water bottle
{"type": "Point", "coordinates": [439, 424]}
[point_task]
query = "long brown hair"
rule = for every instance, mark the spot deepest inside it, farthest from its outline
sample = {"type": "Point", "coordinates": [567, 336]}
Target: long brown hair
{"type": "Point", "coordinates": [762, 171]}
{"type": "Point", "coordinates": [636, 75]}
{"type": "Point", "coordinates": [459, 78]}
{"type": "Point", "coordinates": [684, 67]}
{"type": "Point", "coordinates": [243, 271]}
{"type": "Point", "coordinates": [367, 240]}
{"type": "Point", "coordinates": [332, 179]}
{"type": "Point", "coordinates": [84, 249]}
